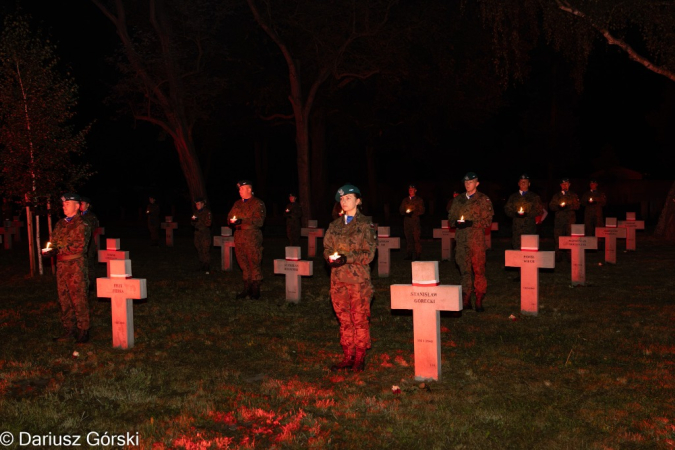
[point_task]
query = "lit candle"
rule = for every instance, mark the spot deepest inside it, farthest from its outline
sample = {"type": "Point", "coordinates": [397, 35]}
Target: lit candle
{"type": "Point", "coordinates": [49, 244]}
{"type": "Point", "coordinates": [461, 219]}
{"type": "Point", "coordinates": [288, 210]}
{"type": "Point", "coordinates": [147, 212]}
{"type": "Point", "coordinates": [194, 217]}
{"type": "Point", "coordinates": [562, 204]}
{"type": "Point", "coordinates": [342, 212]}
{"type": "Point", "coordinates": [590, 200]}
{"type": "Point", "coordinates": [520, 211]}
{"type": "Point", "coordinates": [233, 219]}
{"type": "Point", "coordinates": [407, 211]}
{"type": "Point", "coordinates": [334, 256]}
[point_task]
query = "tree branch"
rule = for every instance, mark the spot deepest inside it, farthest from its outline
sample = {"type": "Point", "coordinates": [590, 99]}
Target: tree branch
{"type": "Point", "coordinates": [632, 54]}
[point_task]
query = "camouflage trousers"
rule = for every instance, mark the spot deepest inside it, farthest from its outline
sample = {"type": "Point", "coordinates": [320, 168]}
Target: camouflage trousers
{"type": "Point", "coordinates": [91, 270]}
{"type": "Point", "coordinates": [293, 233]}
{"type": "Point", "coordinates": [591, 222]}
{"type": "Point", "coordinates": [522, 226]}
{"type": "Point", "coordinates": [71, 284]}
{"type": "Point", "coordinates": [470, 257]}
{"type": "Point", "coordinates": [412, 230]}
{"type": "Point", "coordinates": [564, 229]}
{"type": "Point", "coordinates": [249, 258]}
{"type": "Point", "coordinates": [203, 246]}
{"type": "Point", "coordinates": [351, 303]}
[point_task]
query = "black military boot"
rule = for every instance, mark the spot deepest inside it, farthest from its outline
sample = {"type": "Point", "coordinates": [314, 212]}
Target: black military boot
{"type": "Point", "coordinates": [245, 293]}
{"type": "Point", "coordinates": [359, 360]}
{"type": "Point", "coordinates": [82, 336]}
{"type": "Point", "coordinates": [466, 301]}
{"type": "Point", "coordinates": [347, 360]}
{"type": "Point", "coordinates": [66, 336]}
{"type": "Point", "coordinates": [479, 302]}
{"type": "Point", "coordinates": [255, 290]}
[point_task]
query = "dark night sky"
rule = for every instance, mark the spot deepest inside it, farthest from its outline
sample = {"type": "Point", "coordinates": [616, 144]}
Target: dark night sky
{"type": "Point", "coordinates": [624, 116]}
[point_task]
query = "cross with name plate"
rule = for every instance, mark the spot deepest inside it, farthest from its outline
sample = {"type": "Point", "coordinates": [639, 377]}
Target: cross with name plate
{"type": "Point", "coordinates": [530, 260]}
{"type": "Point", "coordinates": [169, 226]}
{"type": "Point", "coordinates": [111, 253]}
{"type": "Point", "coordinates": [610, 233]}
{"type": "Point", "coordinates": [384, 244]}
{"type": "Point", "coordinates": [226, 243]}
{"type": "Point", "coordinates": [447, 236]}
{"type": "Point", "coordinates": [631, 225]}
{"type": "Point", "coordinates": [427, 298]}
{"type": "Point", "coordinates": [578, 244]}
{"type": "Point", "coordinates": [293, 267]}
{"type": "Point", "coordinates": [311, 233]}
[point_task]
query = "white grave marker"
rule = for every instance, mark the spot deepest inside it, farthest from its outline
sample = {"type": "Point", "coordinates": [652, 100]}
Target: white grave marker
{"type": "Point", "coordinates": [311, 232]}
{"type": "Point", "coordinates": [630, 224]}
{"type": "Point", "coordinates": [610, 232]}
{"type": "Point", "coordinates": [446, 235]}
{"type": "Point", "coordinates": [427, 299]}
{"type": "Point", "coordinates": [169, 226]}
{"type": "Point", "coordinates": [578, 243]}
{"type": "Point", "coordinates": [488, 234]}
{"type": "Point", "coordinates": [122, 291]}
{"type": "Point", "coordinates": [293, 267]}
{"type": "Point", "coordinates": [384, 244]}
{"type": "Point", "coordinates": [226, 243]}
{"type": "Point", "coordinates": [530, 260]}
{"type": "Point", "coordinates": [111, 253]}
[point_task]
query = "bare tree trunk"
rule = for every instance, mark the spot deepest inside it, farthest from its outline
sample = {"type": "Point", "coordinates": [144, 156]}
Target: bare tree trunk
{"type": "Point", "coordinates": [318, 159]}
{"type": "Point", "coordinates": [37, 243]}
{"type": "Point", "coordinates": [665, 227]}
{"type": "Point", "coordinates": [31, 240]}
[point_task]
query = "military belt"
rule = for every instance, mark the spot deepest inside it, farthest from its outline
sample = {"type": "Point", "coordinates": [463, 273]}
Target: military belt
{"type": "Point", "coordinates": [68, 257]}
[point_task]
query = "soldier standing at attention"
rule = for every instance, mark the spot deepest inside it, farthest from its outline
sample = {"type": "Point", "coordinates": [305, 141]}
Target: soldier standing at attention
{"type": "Point", "coordinates": [247, 217]}
{"type": "Point", "coordinates": [523, 207]}
{"type": "Point", "coordinates": [92, 252]}
{"type": "Point", "coordinates": [152, 211]}
{"type": "Point", "coordinates": [349, 248]}
{"type": "Point", "coordinates": [594, 201]}
{"type": "Point", "coordinates": [201, 220]}
{"type": "Point", "coordinates": [412, 207]}
{"type": "Point", "coordinates": [293, 214]}
{"type": "Point", "coordinates": [69, 244]}
{"type": "Point", "coordinates": [565, 204]}
{"type": "Point", "coordinates": [471, 214]}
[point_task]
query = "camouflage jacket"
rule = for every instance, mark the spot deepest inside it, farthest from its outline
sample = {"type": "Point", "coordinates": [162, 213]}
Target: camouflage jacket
{"type": "Point", "coordinates": [530, 202]}
{"type": "Point", "coordinates": [415, 205]}
{"type": "Point", "coordinates": [356, 241]}
{"type": "Point", "coordinates": [251, 212]}
{"type": "Point", "coordinates": [203, 222]}
{"type": "Point", "coordinates": [71, 238]}
{"type": "Point", "coordinates": [599, 199]}
{"type": "Point", "coordinates": [478, 209]}
{"type": "Point", "coordinates": [293, 212]}
{"type": "Point", "coordinates": [152, 211]}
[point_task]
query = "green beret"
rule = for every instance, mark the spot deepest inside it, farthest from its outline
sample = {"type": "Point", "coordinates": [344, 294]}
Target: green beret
{"type": "Point", "coordinates": [470, 176]}
{"type": "Point", "coordinates": [70, 196]}
{"type": "Point", "coordinates": [346, 189]}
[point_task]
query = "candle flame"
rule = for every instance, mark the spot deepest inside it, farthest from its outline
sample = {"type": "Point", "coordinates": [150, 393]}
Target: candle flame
{"type": "Point", "coordinates": [234, 218]}
{"type": "Point", "coordinates": [590, 199]}
{"type": "Point", "coordinates": [521, 210]}
{"type": "Point", "coordinates": [407, 210]}
{"type": "Point", "coordinates": [49, 244]}
{"type": "Point", "coordinates": [461, 218]}
{"type": "Point", "coordinates": [562, 204]}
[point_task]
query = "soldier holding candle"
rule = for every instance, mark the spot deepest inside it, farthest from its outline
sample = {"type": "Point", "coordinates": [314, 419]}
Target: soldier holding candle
{"type": "Point", "coordinates": [523, 207]}
{"type": "Point", "coordinates": [412, 207]}
{"type": "Point", "coordinates": [593, 201]}
{"type": "Point", "coordinates": [564, 203]}
{"type": "Point", "coordinates": [293, 214]}
{"type": "Point", "coordinates": [471, 213]}
{"type": "Point", "coordinates": [69, 244]}
{"type": "Point", "coordinates": [201, 220]}
{"type": "Point", "coordinates": [349, 248]}
{"type": "Point", "coordinates": [247, 217]}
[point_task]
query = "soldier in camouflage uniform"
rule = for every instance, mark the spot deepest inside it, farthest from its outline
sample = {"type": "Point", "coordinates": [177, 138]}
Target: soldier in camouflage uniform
{"type": "Point", "coordinates": [593, 201]}
{"type": "Point", "coordinates": [92, 252]}
{"type": "Point", "coordinates": [565, 204]}
{"type": "Point", "coordinates": [349, 248]}
{"type": "Point", "coordinates": [412, 207]}
{"type": "Point", "coordinates": [470, 214]}
{"type": "Point", "coordinates": [152, 211]}
{"type": "Point", "coordinates": [523, 207]}
{"type": "Point", "coordinates": [247, 217]}
{"type": "Point", "coordinates": [293, 214]}
{"type": "Point", "coordinates": [69, 244]}
{"type": "Point", "coordinates": [201, 220]}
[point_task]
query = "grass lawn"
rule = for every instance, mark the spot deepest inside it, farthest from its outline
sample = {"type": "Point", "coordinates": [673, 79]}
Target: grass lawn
{"type": "Point", "coordinates": [595, 369]}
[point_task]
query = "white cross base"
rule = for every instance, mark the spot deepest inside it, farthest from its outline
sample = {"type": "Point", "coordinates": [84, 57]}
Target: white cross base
{"type": "Point", "coordinates": [427, 299]}
{"type": "Point", "coordinates": [578, 244]}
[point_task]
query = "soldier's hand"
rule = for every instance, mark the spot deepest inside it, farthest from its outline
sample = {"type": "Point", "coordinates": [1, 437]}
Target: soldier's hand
{"type": "Point", "coordinates": [340, 261]}
{"type": "Point", "coordinates": [234, 223]}
{"type": "Point", "coordinates": [48, 252]}
{"type": "Point", "coordinates": [464, 224]}
{"type": "Point", "coordinates": [194, 219]}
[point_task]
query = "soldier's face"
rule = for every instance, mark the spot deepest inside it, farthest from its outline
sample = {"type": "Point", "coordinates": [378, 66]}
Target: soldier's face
{"type": "Point", "coordinates": [291, 199]}
{"type": "Point", "coordinates": [84, 206]}
{"type": "Point", "coordinates": [594, 186]}
{"type": "Point", "coordinates": [565, 186]}
{"type": "Point", "coordinates": [151, 200]}
{"type": "Point", "coordinates": [523, 185]}
{"type": "Point", "coordinates": [471, 186]}
{"type": "Point", "coordinates": [348, 203]}
{"type": "Point", "coordinates": [245, 192]}
{"type": "Point", "coordinates": [200, 205]}
{"type": "Point", "coordinates": [412, 191]}
{"type": "Point", "coordinates": [70, 208]}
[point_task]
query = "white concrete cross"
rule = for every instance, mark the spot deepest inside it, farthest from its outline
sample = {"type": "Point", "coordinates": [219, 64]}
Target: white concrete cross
{"type": "Point", "coordinates": [384, 244]}
{"type": "Point", "coordinates": [311, 232]}
{"type": "Point", "coordinates": [578, 244]}
{"type": "Point", "coordinates": [100, 231]}
{"type": "Point", "coordinates": [530, 260]}
{"type": "Point", "coordinates": [17, 224]}
{"type": "Point", "coordinates": [427, 298]}
{"type": "Point", "coordinates": [111, 253]}
{"type": "Point", "coordinates": [447, 236]}
{"type": "Point", "coordinates": [169, 226]}
{"type": "Point", "coordinates": [226, 243]}
{"type": "Point", "coordinates": [293, 267]}
{"type": "Point", "coordinates": [488, 234]}
{"type": "Point", "coordinates": [630, 224]}
{"type": "Point", "coordinates": [122, 291]}
{"type": "Point", "coordinates": [610, 232]}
